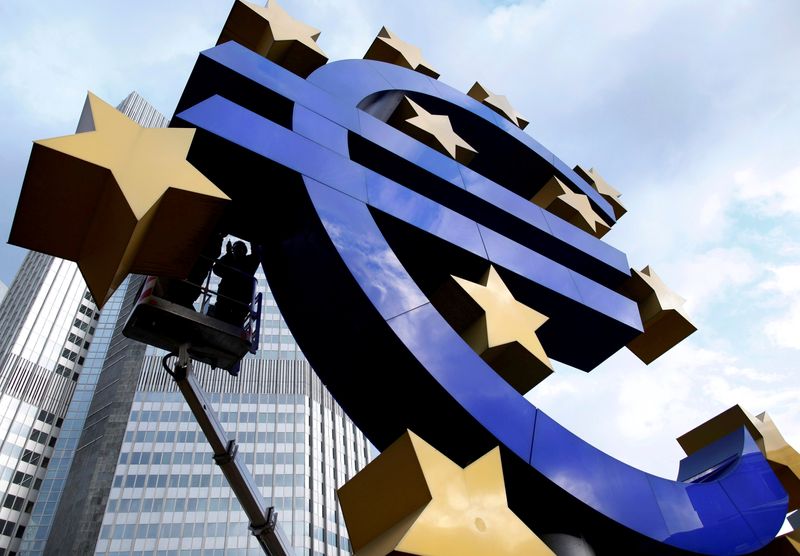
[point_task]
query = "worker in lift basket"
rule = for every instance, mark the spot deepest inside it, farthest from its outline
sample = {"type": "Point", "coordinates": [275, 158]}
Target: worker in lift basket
{"type": "Point", "coordinates": [236, 269]}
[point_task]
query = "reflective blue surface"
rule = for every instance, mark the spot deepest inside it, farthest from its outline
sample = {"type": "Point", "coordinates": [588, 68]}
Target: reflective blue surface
{"type": "Point", "coordinates": [366, 253]}
{"type": "Point", "coordinates": [410, 149]}
{"type": "Point", "coordinates": [489, 399]}
{"type": "Point", "coordinates": [421, 212]}
{"type": "Point", "coordinates": [339, 280]}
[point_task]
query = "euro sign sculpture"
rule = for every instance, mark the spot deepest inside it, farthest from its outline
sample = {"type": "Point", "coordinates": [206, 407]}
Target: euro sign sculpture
{"type": "Point", "coordinates": [365, 226]}
{"type": "Point", "coordinates": [430, 258]}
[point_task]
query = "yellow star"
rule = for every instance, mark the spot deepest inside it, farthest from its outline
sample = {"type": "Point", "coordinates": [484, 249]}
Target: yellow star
{"type": "Point", "coordinates": [273, 33]}
{"type": "Point", "coordinates": [782, 456]}
{"type": "Point", "coordinates": [573, 207]}
{"type": "Point", "coordinates": [413, 500]}
{"type": "Point", "coordinates": [116, 198]}
{"type": "Point", "coordinates": [505, 333]}
{"type": "Point", "coordinates": [661, 310]}
{"type": "Point", "coordinates": [432, 129]}
{"type": "Point", "coordinates": [387, 47]}
{"type": "Point", "coordinates": [498, 103]}
{"type": "Point", "coordinates": [600, 185]}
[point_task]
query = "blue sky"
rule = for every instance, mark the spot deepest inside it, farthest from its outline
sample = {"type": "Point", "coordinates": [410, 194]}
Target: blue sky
{"type": "Point", "coordinates": [689, 108]}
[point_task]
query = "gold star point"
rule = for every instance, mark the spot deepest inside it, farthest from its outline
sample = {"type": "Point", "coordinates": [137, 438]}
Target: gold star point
{"type": "Point", "coordinates": [388, 47]}
{"type": "Point", "coordinates": [434, 130]}
{"type": "Point", "coordinates": [505, 336]}
{"type": "Point", "coordinates": [116, 198]}
{"type": "Point", "coordinates": [589, 220]}
{"type": "Point", "coordinates": [573, 207]}
{"type": "Point", "coordinates": [600, 185]}
{"type": "Point", "coordinates": [271, 32]}
{"type": "Point", "coordinates": [661, 310]}
{"type": "Point", "coordinates": [414, 500]}
{"type": "Point", "coordinates": [498, 103]}
{"type": "Point", "coordinates": [667, 299]}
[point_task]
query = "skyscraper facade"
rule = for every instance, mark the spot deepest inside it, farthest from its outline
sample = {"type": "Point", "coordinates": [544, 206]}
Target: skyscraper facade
{"type": "Point", "coordinates": [132, 473]}
{"type": "Point", "coordinates": [47, 324]}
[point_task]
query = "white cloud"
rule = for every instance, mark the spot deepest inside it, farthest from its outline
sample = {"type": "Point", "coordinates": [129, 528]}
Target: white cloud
{"type": "Point", "coordinates": [782, 288]}
{"type": "Point", "coordinates": [785, 330]}
{"type": "Point", "coordinates": [709, 276]}
{"type": "Point", "coordinates": [776, 196]}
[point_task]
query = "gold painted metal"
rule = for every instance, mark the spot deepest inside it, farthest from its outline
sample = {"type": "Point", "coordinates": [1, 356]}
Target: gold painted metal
{"type": "Point", "coordinates": [273, 33]}
{"type": "Point", "coordinates": [116, 198]}
{"type": "Point", "coordinates": [600, 185]}
{"type": "Point", "coordinates": [504, 332]}
{"type": "Point", "coordinates": [432, 129]}
{"type": "Point", "coordinates": [412, 500]}
{"type": "Point", "coordinates": [498, 103]}
{"type": "Point", "coordinates": [573, 207]}
{"type": "Point", "coordinates": [782, 457]}
{"type": "Point", "coordinates": [665, 323]}
{"type": "Point", "coordinates": [387, 47]}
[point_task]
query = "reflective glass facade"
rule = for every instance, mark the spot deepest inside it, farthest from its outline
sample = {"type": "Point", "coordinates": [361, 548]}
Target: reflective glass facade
{"type": "Point", "coordinates": [167, 496]}
{"type": "Point", "coordinates": [47, 325]}
{"type": "Point", "coordinates": [53, 485]}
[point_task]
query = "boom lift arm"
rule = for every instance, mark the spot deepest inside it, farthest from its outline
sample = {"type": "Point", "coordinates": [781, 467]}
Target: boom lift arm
{"type": "Point", "coordinates": [263, 519]}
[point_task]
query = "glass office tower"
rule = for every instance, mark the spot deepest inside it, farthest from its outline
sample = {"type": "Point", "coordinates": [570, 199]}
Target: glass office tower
{"type": "Point", "coordinates": [167, 496]}
{"type": "Point", "coordinates": [47, 323]}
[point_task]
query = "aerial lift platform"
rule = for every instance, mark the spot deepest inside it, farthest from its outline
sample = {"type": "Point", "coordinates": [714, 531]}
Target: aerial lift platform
{"type": "Point", "coordinates": [195, 335]}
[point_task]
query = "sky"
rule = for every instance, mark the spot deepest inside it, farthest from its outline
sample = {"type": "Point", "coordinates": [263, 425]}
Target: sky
{"type": "Point", "coordinates": [690, 108]}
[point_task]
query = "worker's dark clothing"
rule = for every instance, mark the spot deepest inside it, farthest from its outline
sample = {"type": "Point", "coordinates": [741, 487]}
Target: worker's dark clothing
{"type": "Point", "coordinates": [186, 292]}
{"type": "Point", "coordinates": [236, 287]}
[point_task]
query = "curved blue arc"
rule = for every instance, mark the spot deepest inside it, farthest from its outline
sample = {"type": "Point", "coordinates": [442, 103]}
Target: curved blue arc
{"type": "Point", "coordinates": [708, 518]}
{"type": "Point", "coordinates": [736, 514]}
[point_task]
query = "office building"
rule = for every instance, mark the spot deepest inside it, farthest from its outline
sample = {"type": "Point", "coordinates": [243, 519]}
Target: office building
{"type": "Point", "coordinates": [47, 323]}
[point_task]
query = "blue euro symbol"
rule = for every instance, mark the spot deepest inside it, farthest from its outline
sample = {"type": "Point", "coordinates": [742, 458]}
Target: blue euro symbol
{"type": "Point", "coordinates": [361, 224]}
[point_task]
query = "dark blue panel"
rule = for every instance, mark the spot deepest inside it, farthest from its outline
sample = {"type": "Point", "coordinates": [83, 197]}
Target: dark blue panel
{"type": "Point", "coordinates": [467, 378]}
{"type": "Point", "coordinates": [350, 82]}
{"type": "Point", "coordinates": [605, 484]}
{"type": "Point", "coordinates": [700, 518]}
{"type": "Point", "coordinates": [321, 130]}
{"type": "Point", "coordinates": [534, 215]}
{"type": "Point", "coordinates": [584, 241]}
{"type": "Point", "coordinates": [272, 76]}
{"type": "Point", "coordinates": [756, 491]}
{"type": "Point", "coordinates": [709, 457]}
{"type": "Point", "coordinates": [249, 130]}
{"type": "Point", "coordinates": [365, 252]}
{"type": "Point", "coordinates": [607, 301]}
{"type": "Point", "coordinates": [501, 197]}
{"type": "Point", "coordinates": [394, 199]}
{"type": "Point", "coordinates": [529, 264]}
{"type": "Point", "coordinates": [410, 149]}
{"type": "Point", "coordinates": [405, 79]}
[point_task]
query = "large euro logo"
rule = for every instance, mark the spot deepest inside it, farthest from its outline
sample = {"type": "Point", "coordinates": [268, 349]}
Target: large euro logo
{"type": "Point", "coordinates": [431, 258]}
{"type": "Point", "coordinates": [365, 228]}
